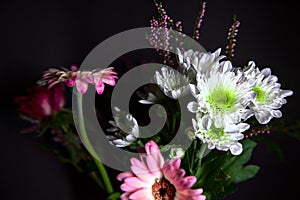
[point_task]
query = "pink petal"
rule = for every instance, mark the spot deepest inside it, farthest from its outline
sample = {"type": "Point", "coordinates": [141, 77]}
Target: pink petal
{"type": "Point", "coordinates": [124, 175]}
{"type": "Point", "coordinates": [45, 105]}
{"type": "Point", "coordinates": [59, 98]}
{"type": "Point", "coordinates": [151, 146]}
{"type": "Point", "coordinates": [145, 176]}
{"type": "Point", "coordinates": [137, 163]}
{"type": "Point", "coordinates": [169, 174]}
{"type": "Point", "coordinates": [175, 162]}
{"type": "Point", "coordinates": [125, 196]}
{"type": "Point", "coordinates": [191, 192]}
{"type": "Point", "coordinates": [153, 166]}
{"type": "Point", "coordinates": [153, 150]}
{"type": "Point", "coordinates": [142, 194]}
{"type": "Point", "coordinates": [100, 88]}
{"type": "Point", "coordinates": [136, 182]}
{"type": "Point", "coordinates": [127, 188]}
{"type": "Point", "coordinates": [70, 83]}
{"type": "Point", "coordinates": [81, 86]}
{"type": "Point", "coordinates": [74, 68]}
{"type": "Point", "coordinates": [109, 79]}
{"type": "Point", "coordinates": [186, 182]}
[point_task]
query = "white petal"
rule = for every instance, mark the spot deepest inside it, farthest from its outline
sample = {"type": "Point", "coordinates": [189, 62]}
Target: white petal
{"type": "Point", "coordinates": [238, 136]}
{"type": "Point", "coordinates": [193, 90]}
{"type": "Point", "coordinates": [195, 125]}
{"type": "Point", "coordinates": [231, 128]}
{"type": "Point", "coordinates": [193, 107]}
{"type": "Point", "coordinates": [236, 149]}
{"type": "Point", "coordinates": [243, 127]}
{"type": "Point", "coordinates": [180, 57]}
{"type": "Point", "coordinates": [120, 143]}
{"type": "Point", "coordinates": [263, 116]}
{"type": "Point", "coordinates": [247, 114]}
{"type": "Point", "coordinates": [218, 122]}
{"type": "Point", "coordinates": [266, 72]}
{"type": "Point", "coordinates": [206, 122]}
{"type": "Point", "coordinates": [285, 93]}
{"type": "Point", "coordinates": [211, 146]}
{"type": "Point", "coordinates": [276, 113]}
{"type": "Point", "coordinates": [145, 101]}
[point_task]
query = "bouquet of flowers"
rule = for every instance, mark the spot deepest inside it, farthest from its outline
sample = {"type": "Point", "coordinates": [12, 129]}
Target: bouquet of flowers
{"type": "Point", "coordinates": [213, 115]}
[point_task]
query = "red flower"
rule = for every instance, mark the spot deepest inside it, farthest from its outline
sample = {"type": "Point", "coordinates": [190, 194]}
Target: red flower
{"type": "Point", "coordinates": [41, 101]}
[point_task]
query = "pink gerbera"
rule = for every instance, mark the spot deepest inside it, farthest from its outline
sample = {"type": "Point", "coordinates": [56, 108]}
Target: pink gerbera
{"type": "Point", "coordinates": [153, 179]}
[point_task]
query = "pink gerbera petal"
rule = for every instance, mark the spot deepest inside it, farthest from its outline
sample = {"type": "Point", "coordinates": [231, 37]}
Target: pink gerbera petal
{"type": "Point", "coordinates": [81, 86]}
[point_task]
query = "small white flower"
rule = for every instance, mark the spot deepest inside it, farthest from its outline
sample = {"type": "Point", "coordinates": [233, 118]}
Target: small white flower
{"type": "Point", "coordinates": [124, 127]}
{"type": "Point", "coordinates": [172, 83]}
{"type": "Point", "coordinates": [223, 139]}
{"type": "Point", "coordinates": [269, 96]}
{"type": "Point", "coordinates": [176, 152]}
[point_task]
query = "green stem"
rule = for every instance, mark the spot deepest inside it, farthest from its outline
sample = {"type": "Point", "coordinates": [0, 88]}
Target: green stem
{"type": "Point", "coordinates": [84, 137]}
{"type": "Point", "coordinates": [105, 176]}
{"type": "Point", "coordinates": [201, 153]}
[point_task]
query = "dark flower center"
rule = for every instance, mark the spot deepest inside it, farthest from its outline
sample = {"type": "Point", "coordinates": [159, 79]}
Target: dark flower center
{"type": "Point", "coordinates": [162, 189]}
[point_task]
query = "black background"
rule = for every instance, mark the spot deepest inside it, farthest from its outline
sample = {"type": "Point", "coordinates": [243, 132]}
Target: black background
{"type": "Point", "coordinates": [42, 34]}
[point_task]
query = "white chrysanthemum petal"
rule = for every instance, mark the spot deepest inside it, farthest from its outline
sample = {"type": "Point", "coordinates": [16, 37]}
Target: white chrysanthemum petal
{"type": "Point", "coordinates": [246, 114]}
{"type": "Point", "coordinates": [225, 67]}
{"type": "Point", "coordinates": [194, 89]}
{"type": "Point", "coordinates": [263, 116]}
{"type": "Point", "coordinates": [211, 146]}
{"type": "Point", "coordinates": [125, 129]}
{"type": "Point", "coordinates": [243, 126]}
{"type": "Point", "coordinates": [193, 107]}
{"type": "Point", "coordinates": [120, 143]}
{"type": "Point", "coordinates": [266, 72]}
{"type": "Point", "coordinates": [206, 122]}
{"type": "Point", "coordinates": [112, 129]}
{"type": "Point", "coordinates": [236, 149]}
{"type": "Point", "coordinates": [231, 128]}
{"type": "Point", "coordinates": [285, 93]}
{"type": "Point", "coordinates": [145, 101]}
{"type": "Point", "coordinates": [194, 122]}
{"type": "Point", "coordinates": [276, 113]}
{"type": "Point", "coordinates": [180, 56]}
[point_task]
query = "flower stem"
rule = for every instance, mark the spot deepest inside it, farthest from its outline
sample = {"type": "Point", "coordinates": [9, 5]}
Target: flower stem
{"type": "Point", "coordinates": [105, 176]}
{"type": "Point", "coordinates": [84, 137]}
{"type": "Point", "coordinates": [201, 153]}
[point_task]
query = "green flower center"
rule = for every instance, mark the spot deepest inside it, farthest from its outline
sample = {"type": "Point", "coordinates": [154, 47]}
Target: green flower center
{"type": "Point", "coordinates": [216, 133]}
{"type": "Point", "coordinates": [262, 96]}
{"type": "Point", "coordinates": [221, 100]}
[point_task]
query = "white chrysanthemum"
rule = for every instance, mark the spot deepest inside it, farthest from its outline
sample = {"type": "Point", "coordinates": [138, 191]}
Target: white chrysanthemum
{"type": "Point", "coordinates": [223, 139]}
{"type": "Point", "coordinates": [124, 127]}
{"type": "Point", "coordinates": [222, 96]}
{"type": "Point", "coordinates": [195, 62]}
{"type": "Point", "coordinates": [172, 83]}
{"type": "Point", "coordinates": [151, 95]}
{"type": "Point", "coordinates": [269, 96]}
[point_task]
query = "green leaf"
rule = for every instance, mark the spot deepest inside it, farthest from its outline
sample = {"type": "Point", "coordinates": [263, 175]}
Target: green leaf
{"type": "Point", "coordinates": [234, 166]}
{"type": "Point", "coordinates": [245, 173]}
{"type": "Point", "coordinates": [114, 196]}
{"type": "Point", "coordinates": [221, 171]}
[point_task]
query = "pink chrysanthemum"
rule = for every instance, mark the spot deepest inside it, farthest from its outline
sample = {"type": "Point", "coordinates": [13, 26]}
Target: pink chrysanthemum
{"type": "Point", "coordinates": [153, 179]}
